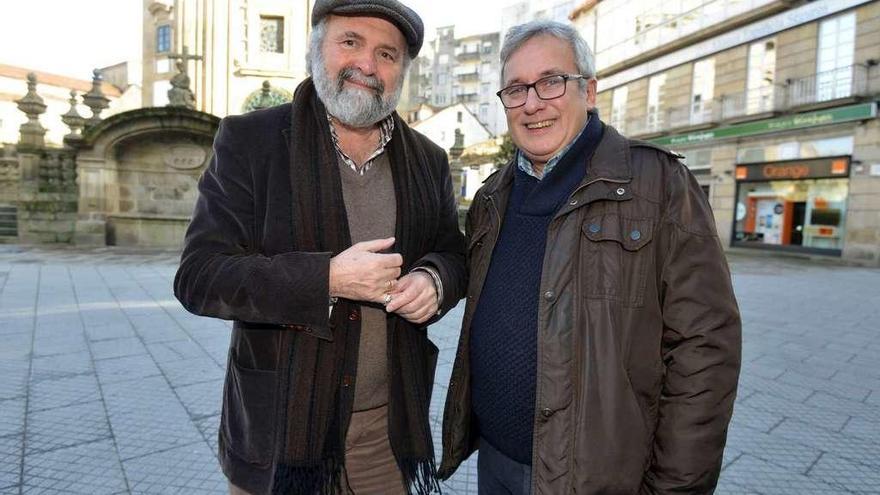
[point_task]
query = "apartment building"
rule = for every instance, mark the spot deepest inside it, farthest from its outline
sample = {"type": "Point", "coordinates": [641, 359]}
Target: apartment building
{"type": "Point", "coordinates": [442, 52]}
{"type": "Point", "coordinates": [477, 75]}
{"type": "Point", "coordinates": [462, 70]}
{"type": "Point", "coordinates": [773, 104]}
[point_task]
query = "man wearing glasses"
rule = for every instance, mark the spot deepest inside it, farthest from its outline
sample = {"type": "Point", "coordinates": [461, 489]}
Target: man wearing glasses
{"type": "Point", "coordinates": [600, 344]}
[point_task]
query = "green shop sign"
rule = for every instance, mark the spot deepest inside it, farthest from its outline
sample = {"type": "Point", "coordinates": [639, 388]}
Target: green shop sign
{"type": "Point", "coordinates": [850, 113]}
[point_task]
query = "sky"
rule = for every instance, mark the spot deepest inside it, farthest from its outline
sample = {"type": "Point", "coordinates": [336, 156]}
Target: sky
{"type": "Point", "coordinates": [72, 37]}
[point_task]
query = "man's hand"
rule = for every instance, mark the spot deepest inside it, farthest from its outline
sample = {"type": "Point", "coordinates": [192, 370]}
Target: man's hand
{"type": "Point", "coordinates": [414, 297]}
{"type": "Point", "coordinates": [362, 273]}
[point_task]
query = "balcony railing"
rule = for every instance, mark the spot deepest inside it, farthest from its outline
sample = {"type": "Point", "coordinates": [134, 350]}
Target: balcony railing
{"type": "Point", "coordinates": [662, 120]}
{"type": "Point", "coordinates": [844, 82]}
{"type": "Point", "coordinates": [468, 76]}
{"type": "Point", "coordinates": [752, 101]}
{"type": "Point", "coordinates": [697, 113]}
{"type": "Point", "coordinates": [462, 54]}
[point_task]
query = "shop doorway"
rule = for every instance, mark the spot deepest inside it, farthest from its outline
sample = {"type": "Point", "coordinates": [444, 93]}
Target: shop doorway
{"type": "Point", "coordinates": [798, 215]}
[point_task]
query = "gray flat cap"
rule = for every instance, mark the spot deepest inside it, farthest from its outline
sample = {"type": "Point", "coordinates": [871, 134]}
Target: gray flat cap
{"type": "Point", "coordinates": [409, 23]}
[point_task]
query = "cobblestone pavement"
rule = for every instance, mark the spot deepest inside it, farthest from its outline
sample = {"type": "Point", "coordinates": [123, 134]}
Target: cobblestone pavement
{"type": "Point", "coordinates": [108, 386]}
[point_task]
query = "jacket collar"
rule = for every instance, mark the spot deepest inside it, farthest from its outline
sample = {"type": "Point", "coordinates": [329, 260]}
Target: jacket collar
{"type": "Point", "coordinates": [610, 163]}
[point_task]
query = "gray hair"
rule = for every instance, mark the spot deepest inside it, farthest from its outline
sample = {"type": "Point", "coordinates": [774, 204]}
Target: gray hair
{"type": "Point", "coordinates": [316, 39]}
{"type": "Point", "coordinates": [351, 107]}
{"type": "Point", "coordinates": [517, 36]}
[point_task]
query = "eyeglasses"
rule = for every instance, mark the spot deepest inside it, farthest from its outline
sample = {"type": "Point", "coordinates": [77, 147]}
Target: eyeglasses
{"type": "Point", "coordinates": [547, 88]}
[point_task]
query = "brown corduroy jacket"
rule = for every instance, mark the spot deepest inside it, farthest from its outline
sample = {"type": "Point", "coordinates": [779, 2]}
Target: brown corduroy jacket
{"type": "Point", "coordinates": [638, 331]}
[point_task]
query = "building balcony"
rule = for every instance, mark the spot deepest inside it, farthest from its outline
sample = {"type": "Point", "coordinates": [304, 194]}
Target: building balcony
{"type": "Point", "coordinates": [822, 89]}
{"type": "Point", "coordinates": [832, 88]}
{"type": "Point", "coordinates": [468, 76]}
{"type": "Point", "coordinates": [696, 116]}
{"type": "Point", "coordinates": [463, 55]}
{"type": "Point", "coordinates": [699, 114]}
{"type": "Point", "coordinates": [752, 103]}
{"type": "Point", "coordinates": [646, 126]}
{"type": "Point", "coordinates": [467, 98]}
{"type": "Point", "coordinates": [843, 83]}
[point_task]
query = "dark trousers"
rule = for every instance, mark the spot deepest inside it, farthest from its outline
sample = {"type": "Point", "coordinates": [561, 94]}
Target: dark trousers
{"type": "Point", "coordinates": [498, 474]}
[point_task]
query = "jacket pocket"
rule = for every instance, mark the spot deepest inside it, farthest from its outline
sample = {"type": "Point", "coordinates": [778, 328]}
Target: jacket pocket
{"type": "Point", "coordinates": [248, 418]}
{"type": "Point", "coordinates": [614, 258]}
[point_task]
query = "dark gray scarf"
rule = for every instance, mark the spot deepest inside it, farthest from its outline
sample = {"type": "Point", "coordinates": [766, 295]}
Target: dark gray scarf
{"type": "Point", "coordinates": [315, 415]}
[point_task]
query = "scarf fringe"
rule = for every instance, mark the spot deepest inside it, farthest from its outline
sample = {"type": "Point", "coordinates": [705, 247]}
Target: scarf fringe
{"type": "Point", "coordinates": [320, 479]}
{"type": "Point", "coordinates": [420, 476]}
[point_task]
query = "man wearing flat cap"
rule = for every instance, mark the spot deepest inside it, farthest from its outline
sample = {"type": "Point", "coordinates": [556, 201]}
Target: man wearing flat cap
{"type": "Point", "coordinates": [326, 229]}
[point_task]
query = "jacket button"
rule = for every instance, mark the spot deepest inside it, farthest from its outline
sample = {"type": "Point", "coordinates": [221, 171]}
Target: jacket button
{"type": "Point", "coordinates": [620, 191]}
{"type": "Point", "coordinates": [479, 243]}
{"type": "Point", "coordinates": [594, 228]}
{"type": "Point", "coordinates": [549, 295]}
{"type": "Point", "coordinates": [354, 316]}
{"type": "Point", "coordinates": [346, 380]}
{"type": "Point", "coordinates": [635, 235]}
{"type": "Point", "coordinates": [573, 202]}
{"type": "Point", "coordinates": [546, 412]}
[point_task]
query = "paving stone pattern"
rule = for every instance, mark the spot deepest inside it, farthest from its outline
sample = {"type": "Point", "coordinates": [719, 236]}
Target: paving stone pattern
{"type": "Point", "coordinates": [110, 387]}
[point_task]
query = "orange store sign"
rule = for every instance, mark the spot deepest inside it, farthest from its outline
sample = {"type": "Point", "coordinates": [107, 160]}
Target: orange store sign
{"type": "Point", "coordinates": [786, 171]}
{"type": "Point", "coordinates": [839, 167]}
{"type": "Point", "coordinates": [794, 169]}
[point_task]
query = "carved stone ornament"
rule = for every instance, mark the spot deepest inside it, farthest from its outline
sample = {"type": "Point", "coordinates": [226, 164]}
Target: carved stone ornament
{"type": "Point", "coordinates": [185, 156]}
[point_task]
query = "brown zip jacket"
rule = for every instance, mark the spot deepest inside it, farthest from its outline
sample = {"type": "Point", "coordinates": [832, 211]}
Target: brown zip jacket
{"type": "Point", "coordinates": [639, 334]}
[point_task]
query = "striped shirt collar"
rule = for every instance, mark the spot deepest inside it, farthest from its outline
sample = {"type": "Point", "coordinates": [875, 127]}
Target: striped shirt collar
{"type": "Point", "coordinates": [386, 130]}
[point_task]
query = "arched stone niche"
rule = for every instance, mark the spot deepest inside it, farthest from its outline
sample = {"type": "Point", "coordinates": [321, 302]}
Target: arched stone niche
{"type": "Point", "coordinates": [137, 175]}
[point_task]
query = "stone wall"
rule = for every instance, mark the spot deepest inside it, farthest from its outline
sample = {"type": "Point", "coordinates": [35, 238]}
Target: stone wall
{"type": "Point", "coordinates": [138, 176]}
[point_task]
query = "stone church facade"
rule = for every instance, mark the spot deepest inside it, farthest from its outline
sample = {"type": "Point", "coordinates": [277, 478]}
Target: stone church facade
{"type": "Point", "coordinates": [232, 48]}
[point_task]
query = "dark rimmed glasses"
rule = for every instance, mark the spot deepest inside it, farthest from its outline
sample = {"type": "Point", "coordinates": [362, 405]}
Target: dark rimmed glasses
{"type": "Point", "coordinates": [547, 88]}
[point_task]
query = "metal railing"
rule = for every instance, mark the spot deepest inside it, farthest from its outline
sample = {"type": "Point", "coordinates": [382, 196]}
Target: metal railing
{"type": "Point", "coordinates": [843, 82]}
{"type": "Point", "coordinates": [696, 113]}
{"type": "Point", "coordinates": [468, 76]}
{"type": "Point", "coordinates": [752, 101]}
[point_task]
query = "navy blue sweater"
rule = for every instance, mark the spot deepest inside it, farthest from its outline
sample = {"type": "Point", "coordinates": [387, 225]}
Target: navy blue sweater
{"type": "Point", "coordinates": [503, 347]}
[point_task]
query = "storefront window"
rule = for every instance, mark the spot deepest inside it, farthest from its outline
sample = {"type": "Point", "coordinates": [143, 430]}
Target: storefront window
{"type": "Point", "coordinates": [798, 211]}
